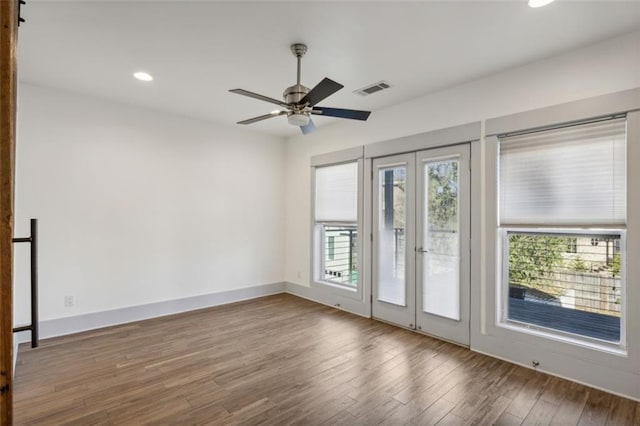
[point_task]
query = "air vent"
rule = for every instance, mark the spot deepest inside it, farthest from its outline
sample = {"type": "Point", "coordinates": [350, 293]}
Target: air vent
{"type": "Point", "coordinates": [373, 88]}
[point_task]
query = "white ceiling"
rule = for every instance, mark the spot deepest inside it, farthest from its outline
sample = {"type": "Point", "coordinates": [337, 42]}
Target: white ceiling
{"type": "Point", "coordinates": [198, 50]}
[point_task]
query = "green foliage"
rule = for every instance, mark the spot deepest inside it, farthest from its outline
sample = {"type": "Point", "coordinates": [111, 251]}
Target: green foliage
{"type": "Point", "coordinates": [443, 194]}
{"type": "Point", "coordinates": [615, 265]}
{"type": "Point", "coordinates": [533, 258]}
{"type": "Point", "coordinates": [577, 264]}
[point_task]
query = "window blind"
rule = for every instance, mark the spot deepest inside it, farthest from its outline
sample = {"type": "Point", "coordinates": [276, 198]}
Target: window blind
{"type": "Point", "coordinates": [337, 193]}
{"type": "Point", "coordinates": [574, 175]}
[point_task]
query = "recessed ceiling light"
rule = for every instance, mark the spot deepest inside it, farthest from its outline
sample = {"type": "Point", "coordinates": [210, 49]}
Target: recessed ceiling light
{"type": "Point", "coordinates": [539, 3]}
{"type": "Point", "coordinates": [143, 76]}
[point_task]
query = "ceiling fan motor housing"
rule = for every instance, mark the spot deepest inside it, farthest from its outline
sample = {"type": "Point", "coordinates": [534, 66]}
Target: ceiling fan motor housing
{"type": "Point", "coordinates": [300, 101]}
{"type": "Point", "coordinates": [295, 93]}
{"type": "Point", "coordinates": [298, 115]}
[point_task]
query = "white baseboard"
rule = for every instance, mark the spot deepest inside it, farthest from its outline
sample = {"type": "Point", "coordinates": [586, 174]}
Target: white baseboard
{"type": "Point", "coordinates": [92, 321]}
{"type": "Point", "coordinates": [609, 380]}
{"type": "Point", "coordinates": [328, 298]}
{"type": "Point", "coordinates": [96, 320]}
{"type": "Point", "coordinates": [79, 323]}
{"type": "Point", "coordinates": [16, 345]}
{"type": "Point", "coordinates": [633, 377]}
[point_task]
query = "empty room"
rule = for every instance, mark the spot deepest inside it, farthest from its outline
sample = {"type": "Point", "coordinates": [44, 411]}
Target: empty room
{"type": "Point", "coordinates": [319, 212]}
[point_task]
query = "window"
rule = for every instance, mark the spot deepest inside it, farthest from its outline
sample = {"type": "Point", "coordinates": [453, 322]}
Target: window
{"type": "Point", "coordinates": [578, 294]}
{"type": "Point", "coordinates": [562, 220]}
{"type": "Point", "coordinates": [336, 225]}
{"type": "Point", "coordinates": [331, 247]}
{"type": "Point", "coordinates": [340, 259]}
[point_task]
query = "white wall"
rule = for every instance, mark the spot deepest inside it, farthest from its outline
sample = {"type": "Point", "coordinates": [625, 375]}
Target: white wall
{"type": "Point", "coordinates": [137, 206]}
{"type": "Point", "coordinates": [606, 67]}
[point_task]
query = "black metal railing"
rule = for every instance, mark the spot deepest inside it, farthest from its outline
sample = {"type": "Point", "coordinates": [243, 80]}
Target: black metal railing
{"type": "Point", "coordinates": [33, 241]}
{"type": "Point", "coordinates": [340, 254]}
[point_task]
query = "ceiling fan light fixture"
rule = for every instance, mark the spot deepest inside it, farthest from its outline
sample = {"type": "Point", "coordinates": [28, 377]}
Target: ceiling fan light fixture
{"type": "Point", "coordinates": [298, 119]}
{"type": "Point", "coordinates": [300, 101]}
{"type": "Point", "coordinates": [539, 3]}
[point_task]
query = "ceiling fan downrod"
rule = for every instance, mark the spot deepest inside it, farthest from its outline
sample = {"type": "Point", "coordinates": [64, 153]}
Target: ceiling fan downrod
{"type": "Point", "coordinates": [300, 101]}
{"type": "Point", "coordinates": [294, 94]}
{"type": "Point", "coordinates": [299, 50]}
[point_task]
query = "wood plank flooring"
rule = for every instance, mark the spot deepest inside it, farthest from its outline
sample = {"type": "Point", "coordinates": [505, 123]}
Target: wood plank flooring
{"type": "Point", "coordinates": [284, 360]}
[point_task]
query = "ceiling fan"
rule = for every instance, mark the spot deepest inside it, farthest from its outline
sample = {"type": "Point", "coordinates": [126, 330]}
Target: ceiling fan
{"type": "Point", "coordinates": [300, 101]}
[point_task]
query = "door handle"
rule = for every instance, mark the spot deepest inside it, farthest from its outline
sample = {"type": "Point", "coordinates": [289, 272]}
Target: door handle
{"type": "Point", "coordinates": [420, 250]}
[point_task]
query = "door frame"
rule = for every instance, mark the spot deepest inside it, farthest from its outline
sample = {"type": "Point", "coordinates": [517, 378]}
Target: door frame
{"type": "Point", "coordinates": [8, 46]}
{"type": "Point", "coordinates": [398, 314]}
{"type": "Point", "coordinates": [469, 133]}
{"type": "Point", "coordinates": [456, 331]}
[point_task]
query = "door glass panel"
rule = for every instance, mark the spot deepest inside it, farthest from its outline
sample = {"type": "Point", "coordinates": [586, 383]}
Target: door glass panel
{"type": "Point", "coordinates": [441, 239]}
{"type": "Point", "coordinates": [391, 233]}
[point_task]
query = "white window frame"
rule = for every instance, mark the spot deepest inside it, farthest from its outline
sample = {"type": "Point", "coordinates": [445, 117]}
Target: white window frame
{"type": "Point", "coordinates": [353, 155]}
{"type": "Point", "coordinates": [558, 335]}
{"type": "Point", "coordinates": [612, 369]}
{"type": "Point", "coordinates": [502, 267]}
{"type": "Point", "coordinates": [321, 254]}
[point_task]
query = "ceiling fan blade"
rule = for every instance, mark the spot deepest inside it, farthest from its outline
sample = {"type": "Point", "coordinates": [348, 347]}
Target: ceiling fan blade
{"type": "Point", "coordinates": [323, 90]}
{"type": "Point", "coordinates": [262, 117]}
{"type": "Point", "coordinates": [309, 128]}
{"type": "Point", "coordinates": [352, 114]}
{"type": "Point", "coordinates": [259, 97]}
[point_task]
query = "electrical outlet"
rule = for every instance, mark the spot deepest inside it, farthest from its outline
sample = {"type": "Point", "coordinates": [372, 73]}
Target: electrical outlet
{"type": "Point", "coordinates": [299, 274]}
{"type": "Point", "coordinates": [69, 301]}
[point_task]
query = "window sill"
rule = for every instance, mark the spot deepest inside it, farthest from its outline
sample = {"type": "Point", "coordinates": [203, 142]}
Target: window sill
{"type": "Point", "coordinates": [612, 349]}
{"type": "Point", "coordinates": [350, 292]}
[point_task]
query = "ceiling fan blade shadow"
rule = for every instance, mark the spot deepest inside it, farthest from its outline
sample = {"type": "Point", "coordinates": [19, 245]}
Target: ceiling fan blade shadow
{"type": "Point", "coordinates": [259, 97]}
{"type": "Point", "coordinates": [309, 128]}
{"type": "Point", "coordinates": [352, 114]}
{"type": "Point", "coordinates": [260, 118]}
{"type": "Point", "coordinates": [323, 90]}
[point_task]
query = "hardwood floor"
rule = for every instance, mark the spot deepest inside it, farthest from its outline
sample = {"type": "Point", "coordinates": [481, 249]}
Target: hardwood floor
{"type": "Point", "coordinates": [284, 360]}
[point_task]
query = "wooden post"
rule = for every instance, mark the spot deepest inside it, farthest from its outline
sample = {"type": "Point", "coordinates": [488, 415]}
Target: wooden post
{"type": "Point", "coordinates": [8, 39]}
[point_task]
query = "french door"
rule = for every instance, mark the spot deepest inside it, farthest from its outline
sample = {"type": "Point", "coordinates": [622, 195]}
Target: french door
{"type": "Point", "coordinates": [421, 231]}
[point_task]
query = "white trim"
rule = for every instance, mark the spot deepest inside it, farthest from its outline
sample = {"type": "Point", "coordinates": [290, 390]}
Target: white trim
{"type": "Point", "coordinates": [335, 300]}
{"type": "Point", "coordinates": [477, 312]}
{"type": "Point", "coordinates": [627, 384]}
{"type": "Point", "coordinates": [336, 157]}
{"type": "Point", "coordinates": [563, 337]}
{"type": "Point", "coordinates": [613, 372]}
{"type": "Point", "coordinates": [367, 246]}
{"type": "Point", "coordinates": [95, 320]}
{"type": "Point", "coordinates": [551, 373]}
{"type": "Point", "coordinates": [502, 338]}
{"type": "Point", "coordinates": [619, 348]}
{"type": "Point", "coordinates": [395, 313]}
{"type": "Point", "coordinates": [16, 346]}
{"type": "Point", "coordinates": [452, 329]}
{"type": "Point", "coordinates": [570, 112]}
{"type": "Point", "coordinates": [435, 139]}
{"type": "Point", "coordinates": [98, 320]}
{"type": "Point", "coordinates": [632, 266]}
